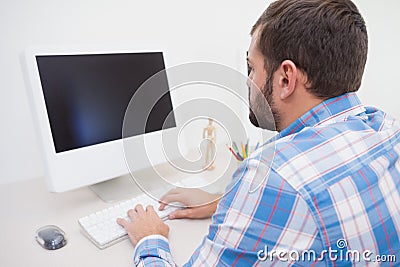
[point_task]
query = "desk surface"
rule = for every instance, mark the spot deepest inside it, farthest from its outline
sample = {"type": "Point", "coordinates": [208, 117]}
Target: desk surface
{"type": "Point", "coordinates": [26, 206]}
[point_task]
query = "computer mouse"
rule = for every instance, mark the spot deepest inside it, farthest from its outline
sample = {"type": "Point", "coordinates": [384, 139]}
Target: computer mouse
{"type": "Point", "coordinates": [51, 237]}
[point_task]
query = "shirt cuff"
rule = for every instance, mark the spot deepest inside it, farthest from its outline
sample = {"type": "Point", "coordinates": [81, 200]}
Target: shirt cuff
{"type": "Point", "coordinates": [154, 247]}
{"type": "Point", "coordinates": [141, 241]}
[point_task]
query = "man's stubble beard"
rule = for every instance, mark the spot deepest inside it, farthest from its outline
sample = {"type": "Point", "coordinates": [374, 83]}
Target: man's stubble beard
{"type": "Point", "coordinates": [263, 112]}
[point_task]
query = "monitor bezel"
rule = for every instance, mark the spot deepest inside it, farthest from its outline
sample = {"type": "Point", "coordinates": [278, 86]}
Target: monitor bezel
{"type": "Point", "coordinates": [71, 169]}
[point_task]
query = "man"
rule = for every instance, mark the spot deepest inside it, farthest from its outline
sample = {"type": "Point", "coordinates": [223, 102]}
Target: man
{"type": "Point", "coordinates": [330, 193]}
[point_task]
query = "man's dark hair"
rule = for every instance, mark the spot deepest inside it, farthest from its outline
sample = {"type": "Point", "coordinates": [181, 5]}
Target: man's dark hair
{"type": "Point", "coordinates": [326, 39]}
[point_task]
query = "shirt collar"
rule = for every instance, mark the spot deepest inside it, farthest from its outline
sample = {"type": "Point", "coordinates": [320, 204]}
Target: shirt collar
{"type": "Point", "coordinates": [330, 111]}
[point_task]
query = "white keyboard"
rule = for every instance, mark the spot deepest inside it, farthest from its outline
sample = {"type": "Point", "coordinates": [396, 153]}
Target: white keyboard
{"type": "Point", "coordinates": [102, 228]}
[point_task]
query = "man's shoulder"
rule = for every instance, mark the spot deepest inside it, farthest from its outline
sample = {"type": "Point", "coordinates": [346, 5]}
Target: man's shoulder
{"type": "Point", "coordinates": [309, 139]}
{"type": "Point", "coordinates": [373, 127]}
{"type": "Point", "coordinates": [317, 154]}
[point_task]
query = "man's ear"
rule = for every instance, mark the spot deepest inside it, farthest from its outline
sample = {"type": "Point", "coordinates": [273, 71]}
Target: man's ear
{"type": "Point", "coordinates": [287, 79]}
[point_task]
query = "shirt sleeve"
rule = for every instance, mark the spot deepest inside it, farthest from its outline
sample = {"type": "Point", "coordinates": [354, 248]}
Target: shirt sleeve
{"type": "Point", "coordinates": [153, 250]}
{"type": "Point", "coordinates": [259, 213]}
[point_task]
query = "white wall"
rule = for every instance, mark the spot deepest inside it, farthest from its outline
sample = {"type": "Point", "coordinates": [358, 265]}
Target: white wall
{"type": "Point", "coordinates": [380, 85]}
{"type": "Point", "coordinates": [207, 30]}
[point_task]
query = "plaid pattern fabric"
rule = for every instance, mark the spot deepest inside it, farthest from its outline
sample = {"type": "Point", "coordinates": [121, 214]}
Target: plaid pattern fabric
{"type": "Point", "coordinates": [326, 188]}
{"type": "Point", "coordinates": [154, 252]}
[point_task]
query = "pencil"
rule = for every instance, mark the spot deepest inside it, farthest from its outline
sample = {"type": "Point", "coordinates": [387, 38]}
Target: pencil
{"type": "Point", "coordinates": [234, 154]}
{"type": "Point", "coordinates": [235, 147]}
{"type": "Point", "coordinates": [244, 151]}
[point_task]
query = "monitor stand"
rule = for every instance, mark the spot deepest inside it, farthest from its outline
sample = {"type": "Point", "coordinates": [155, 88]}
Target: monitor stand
{"type": "Point", "coordinates": [116, 189]}
{"type": "Point", "coordinates": [125, 187]}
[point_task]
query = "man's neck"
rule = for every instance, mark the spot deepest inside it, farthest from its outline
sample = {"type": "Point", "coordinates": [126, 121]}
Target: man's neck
{"type": "Point", "coordinates": [297, 108]}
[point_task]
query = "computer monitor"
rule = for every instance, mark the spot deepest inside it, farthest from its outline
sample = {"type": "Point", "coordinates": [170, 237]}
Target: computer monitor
{"type": "Point", "coordinates": [79, 100]}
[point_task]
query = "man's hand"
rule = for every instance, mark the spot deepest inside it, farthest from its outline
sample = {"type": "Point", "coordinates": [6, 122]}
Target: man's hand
{"type": "Point", "coordinates": [143, 223]}
{"type": "Point", "coordinates": [199, 203]}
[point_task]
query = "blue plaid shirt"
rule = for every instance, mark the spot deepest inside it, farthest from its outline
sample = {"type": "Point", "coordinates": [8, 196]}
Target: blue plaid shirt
{"type": "Point", "coordinates": [323, 192]}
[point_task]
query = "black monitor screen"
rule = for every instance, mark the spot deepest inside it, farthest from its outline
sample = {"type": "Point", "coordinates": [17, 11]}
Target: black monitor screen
{"type": "Point", "coordinates": [87, 95]}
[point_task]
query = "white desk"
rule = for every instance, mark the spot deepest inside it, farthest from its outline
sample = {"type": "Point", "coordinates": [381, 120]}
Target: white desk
{"type": "Point", "coordinates": [26, 206]}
